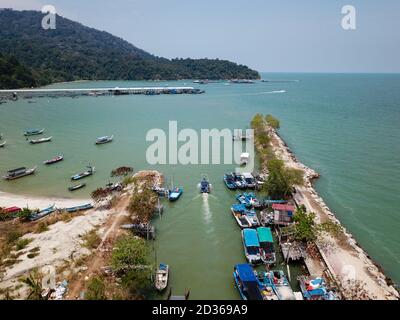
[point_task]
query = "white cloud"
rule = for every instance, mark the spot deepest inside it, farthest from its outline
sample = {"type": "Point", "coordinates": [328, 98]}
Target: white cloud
{"type": "Point", "coordinates": [21, 4]}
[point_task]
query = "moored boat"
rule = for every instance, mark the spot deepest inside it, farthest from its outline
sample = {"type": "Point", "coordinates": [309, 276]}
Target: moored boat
{"type": "Point", "coordinates": [19, 173]}
{"type": "Point", "coordinates": [266, 240]}
{"type": "Point", "coordinates": [252, 218]}
{"type": "Point", "coordinates": [315, 289]}
{"type": "Point", "coordinates": [241, 219]}
{"type": "Point", "coordinates": [162, 273]}
{"type": "Point", "coordinates": [77, 187]}
{"type": "Point", "coordinates": [105, 139]}
{"type": "Point", "coordinates": [79, 208]}
{"type": "Point", "coordinates": [33, 132]}
{"type": "Point", "coordinates": [251, 246]}
{"type": "Point", "coordinates": [229, 180]}
{"type": "Point", "coordinates": [281, 285]}
{"type": "Point", "coordinates": [54, 160]}
{"type": "Point", "coordinates": [83, 174]}
{"type": "Point", "coordinates": [246, 282]}
{"type": "Point", "coordinates": [42, 213]}
{"type": "Point", "coordinates": [249, 180]}
{"type": "Point", "coordinates": [42, 140]}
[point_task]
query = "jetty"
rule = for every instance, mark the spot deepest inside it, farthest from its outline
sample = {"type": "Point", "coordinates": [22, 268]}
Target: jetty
{"type": "Point", "coordinates": [13, 94]}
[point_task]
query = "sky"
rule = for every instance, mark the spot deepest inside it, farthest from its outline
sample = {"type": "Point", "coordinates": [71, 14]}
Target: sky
{"type": "Point", "coordinates": [267, 35]}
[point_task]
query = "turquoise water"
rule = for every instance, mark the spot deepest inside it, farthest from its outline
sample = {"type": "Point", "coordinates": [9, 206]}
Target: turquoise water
{"type": "Point", "coordinates": [345, 126]}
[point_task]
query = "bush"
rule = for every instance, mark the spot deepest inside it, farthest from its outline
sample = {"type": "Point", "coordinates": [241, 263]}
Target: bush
{"type": "Point", "coordinates": [96, 289]}
{"type": "Point", "coordinates": [92, 239]}
{"type": "Point", "coordinates": [42, 227]}
{"type": "Point", "coordinates": [13, 236]}
{"type": "Point", "coordinates": [22, 243]}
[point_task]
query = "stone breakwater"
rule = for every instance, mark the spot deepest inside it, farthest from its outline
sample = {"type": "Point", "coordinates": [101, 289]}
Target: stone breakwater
{"type": "Point", "coordinates": [339, 257]}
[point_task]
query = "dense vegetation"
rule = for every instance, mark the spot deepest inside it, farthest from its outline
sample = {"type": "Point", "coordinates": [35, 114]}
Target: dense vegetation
{"type": "Point", "coordinates": [14, 75]}
{"type": "Point", "coordinates": [74, 52]}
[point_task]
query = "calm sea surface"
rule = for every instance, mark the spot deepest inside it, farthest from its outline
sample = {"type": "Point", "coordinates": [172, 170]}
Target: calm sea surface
{"type": "Point", "coordinates": [345, 126]}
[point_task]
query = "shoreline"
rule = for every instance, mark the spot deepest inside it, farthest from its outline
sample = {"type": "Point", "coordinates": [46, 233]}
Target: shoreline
{"type": "Point", "coordinates": [348, 259]}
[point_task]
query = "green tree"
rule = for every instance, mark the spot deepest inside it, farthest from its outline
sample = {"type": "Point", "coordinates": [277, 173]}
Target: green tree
{"type": "Point", "coordinates": [281, 180]}
{"type": "Point", "coordinates": [142, 204]}
{"type": "Point", "coordinates": [272, 121]}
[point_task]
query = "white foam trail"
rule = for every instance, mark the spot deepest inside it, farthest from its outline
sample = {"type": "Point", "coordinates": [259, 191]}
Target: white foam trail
{"type": "Point", "coordinates": [206, 209]}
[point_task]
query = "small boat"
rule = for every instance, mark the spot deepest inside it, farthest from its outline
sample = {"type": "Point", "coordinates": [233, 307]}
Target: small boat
{"type": "Point", "coordinates": [205, 186]}
{"type": "Point", "coordinates": [77, 187]}
{"type": "Point", "coordinates": [252, 218]}
{"type": "Point", "coordinates": [240, 184]}
{"type": "Point", "coordinates": [161, 281]}
{"type": "Point", "coordinates": [84, 174]}
{"type": "Point", "coordinates": [241, 219]}
{"type": "Point", "coordinates": [315, 289]}
{"type": "Point", "coordinates": [229, 180]}
{"type": "Point", "coordinates": [13, 209]}
{"type": "Point", "coordinates": [246, 282]}
{"type": "Point", "coordinates": [3, 144]}
{"type": "Point", "coordinates": [266, 240]}
{"type": "Point", "coordinates": [281, 285]}
{"type": "Point", "coordinates": [105, 139]}
{"type": "Point", "coordinates": [267, 286]}
{"type": "Point", "coordinates": [251, 246]}
{"type": "Point", "coordinates": [242, 199]}
{"type": "Point", "coordinates": [252, 200]}
{"type": "Point", "coordinates": [249, 180]}
{"type": "Point", "coordinates": [42, 213]}
{"type": "Point", "coordinates": [19, 173]}
{"type": "Point", "coordinates": [79, 208]}
{"type": "Point", "coordinates": [42, 140]}
{"type": "Point", "coordinates": [54, 160]}
{"type": "Point", "coordinates": [33, 132]}
{"type": "Point", "coordinates": [175, 194]}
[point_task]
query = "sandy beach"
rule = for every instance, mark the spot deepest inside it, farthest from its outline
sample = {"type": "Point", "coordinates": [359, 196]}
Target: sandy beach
{"type": "Point", "coordinates": [346, 261]}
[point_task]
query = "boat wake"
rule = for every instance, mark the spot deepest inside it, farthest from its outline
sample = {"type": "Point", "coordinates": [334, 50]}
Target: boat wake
{"type": "Point", "coordinates": [207, 214]}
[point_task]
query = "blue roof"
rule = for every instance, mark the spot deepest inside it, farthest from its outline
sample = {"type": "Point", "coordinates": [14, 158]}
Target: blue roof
{"type": "Point", "coordinates": [245, 272]}
{"type": "Point", "coordinates": [251, 238]}
{"type": "Point", "coordinates": [239, 207]}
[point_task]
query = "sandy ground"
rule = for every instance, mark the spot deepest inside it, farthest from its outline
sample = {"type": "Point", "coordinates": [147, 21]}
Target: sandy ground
{"type": "Point", "coordinates": [345, 261]}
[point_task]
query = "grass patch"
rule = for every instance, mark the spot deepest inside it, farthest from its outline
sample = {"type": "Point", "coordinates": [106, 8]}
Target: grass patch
{"type": "Point", "coordinates": [96, 289]}
{"type": "Point", "coordinates": [92, 239]}
{"type": "Point", "coordinates": [22, 243]}
{"type": "Point", "coordinates": [42, 227]}
{"type": "Point", "coordinates": [13, 236]}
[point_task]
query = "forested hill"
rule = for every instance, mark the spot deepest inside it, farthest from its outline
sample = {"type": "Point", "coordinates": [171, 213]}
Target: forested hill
{"type": "Point", "coordinates": [74, 52]}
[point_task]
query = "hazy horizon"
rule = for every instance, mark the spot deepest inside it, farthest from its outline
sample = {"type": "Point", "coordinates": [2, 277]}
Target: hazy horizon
{"type": "Point", "coordinates": [282, 37]}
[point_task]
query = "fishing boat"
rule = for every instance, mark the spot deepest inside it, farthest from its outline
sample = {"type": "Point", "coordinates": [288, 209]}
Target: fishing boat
{"type": "Point", "coordinates": [240, 184]}
{"type": "Point", "coordinates": [266, 240]}
{"type": "Point", "coordinates": [77, 187]}
{"type": "Point", "coordinates": [249, 180]}
{"type": "Point", "coordinates": [242, 199]}
{"type": "Point", "coordinates": [84, 174]}
{"type": "Point", "coordinates": [246, 282]}
{"type": "Point", "coordinates": [42, 140]}
{"type": "Point", "coordinates": [174, 194]}
{"type": "Point", "coordinates": [281, 285]}
{"type": "Point", "coordinates": [33, 132]}
{"type": "Point", "coordinates": [205, 186]}
{"type": "Point", "coordinates": [252, 218]}
{"type": "Point", "coordinates": [315, 289]}
{"type": "Point", "coordinates": [19, 173]}
{"type": "Point", "coordinates": [79, 208]}
{"type": "Point", "coordinates": [105, 139]}
{"type": "Point", "coordinates": [251, 246]}
{"type": "Point", "coordinates": [54, 160]}
{"type": "Point", "coordinates": [3, 144]}
{"type": "Point", "coordinates": [229, 180]}
{"type": "Point", "coordinates": [267, 286]}
{"type": "Point", "coordinates": [161, 281]}
{"type": "Point", "coordinates": [252, 200]}
{"type": "Point", "coordinates": [241, 219]}
{"type": "Point", "coordinates": [42, 213]}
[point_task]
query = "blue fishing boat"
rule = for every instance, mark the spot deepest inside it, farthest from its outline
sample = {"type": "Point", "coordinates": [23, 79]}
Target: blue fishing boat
{"type": "Point", "coordinates": [238, 212]}
{"type": "Point", "coordinates": [242, 199]}
{"type": "Point", "coordinates": [267, 286]}
{"type": "Point", "coordinates": [252, 200]}
{"type": "Point", "coordinates": [84, 174]}
{"type": "Point", "coordinates": [79, 208]}
{"type": "Point", "coordinates": [315, 289]}
{"type": "Point", "coordinates": [42, 213]}
{"type": "Point", "coordinates": [246, 282]}
{"type": "Point", "coordinates": [229, 180]}
{"type": "Point", "coordinates": [251, 246]}
{"type": "Point", "coordinates": [266, 240]}
{"type": "Point", "coordinates": [240, 184]}
{"type": "Point", "coordinates": [174, 194]}
{"type": "Point", "coordinates": [33, 132]}
{"type": "Point", "coordinates": [205, 186]}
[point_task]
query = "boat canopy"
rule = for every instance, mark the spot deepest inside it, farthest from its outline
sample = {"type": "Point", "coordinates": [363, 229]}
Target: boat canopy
{"type": "Point", "coordinates": [245, 272]}
{"type": "Point", "coordinates": [265, 234]}
{"type": "Point", "coordinates": [17, 170]}
{"type": "Point", "coordinates": [250, 238]}
{"type": "Point", "coordinates": [239, 207]}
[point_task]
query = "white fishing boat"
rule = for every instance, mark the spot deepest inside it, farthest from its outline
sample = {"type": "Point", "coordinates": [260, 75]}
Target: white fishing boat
{"type": "Point", "coordinates": [161, 281]}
